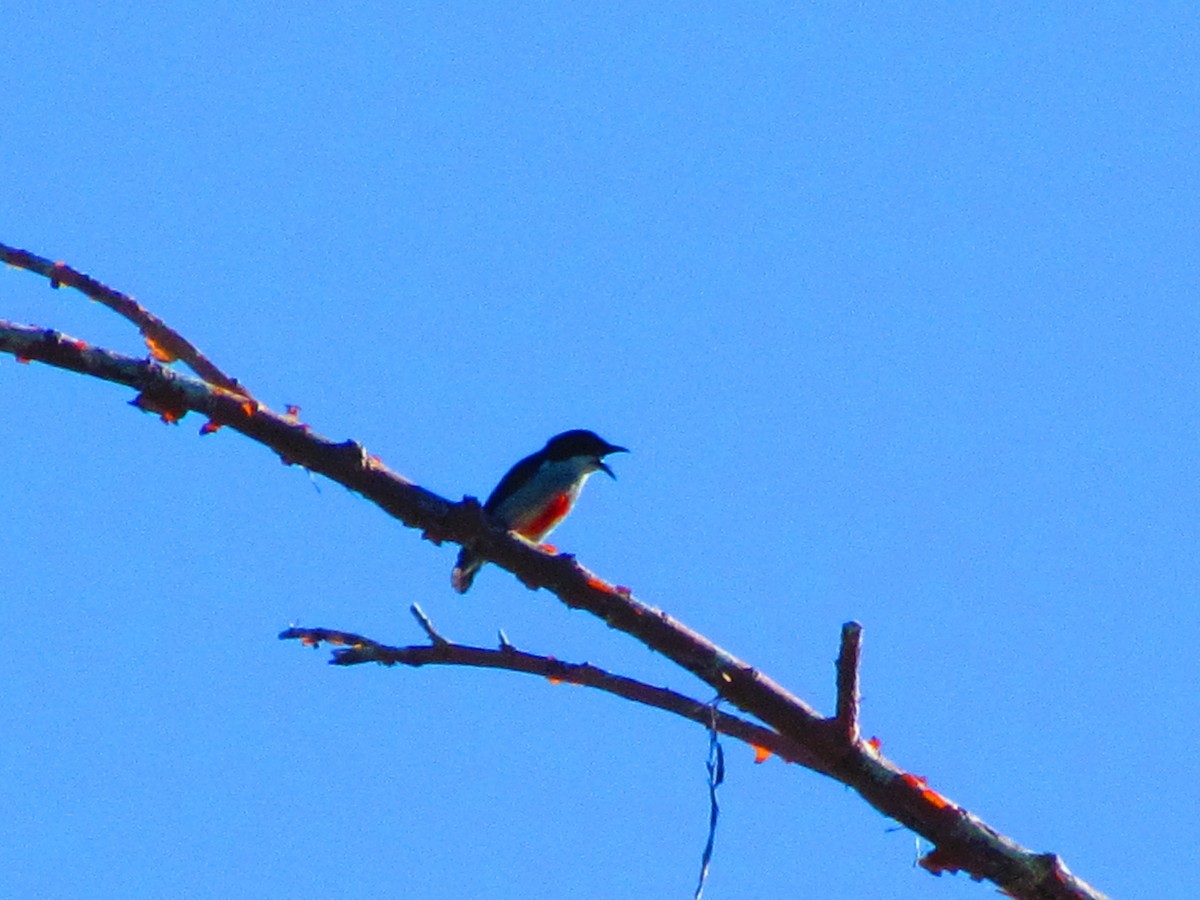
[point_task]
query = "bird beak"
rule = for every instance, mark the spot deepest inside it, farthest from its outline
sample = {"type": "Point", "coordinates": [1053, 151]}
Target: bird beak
{"type": "Point", "coordinates": [612, 448]}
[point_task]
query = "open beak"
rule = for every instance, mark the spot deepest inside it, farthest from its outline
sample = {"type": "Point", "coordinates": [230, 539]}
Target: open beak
{"type": "Point", "coordinates": [612, 448]}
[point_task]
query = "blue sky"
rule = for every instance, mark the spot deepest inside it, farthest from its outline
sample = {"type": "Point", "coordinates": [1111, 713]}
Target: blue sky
{"type": "Point", "coordinates": [896, 307]}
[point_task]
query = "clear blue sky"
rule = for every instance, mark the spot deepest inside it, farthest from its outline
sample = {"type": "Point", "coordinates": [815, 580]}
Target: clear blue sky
{"type": "Point", "coordinates": [895, 305]}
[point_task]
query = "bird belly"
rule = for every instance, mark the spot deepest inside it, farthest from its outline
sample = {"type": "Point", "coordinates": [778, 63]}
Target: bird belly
{"type": "Point", "coordinates": [544, 501]}
{"type": "Point", "coordinates": [540, 522]}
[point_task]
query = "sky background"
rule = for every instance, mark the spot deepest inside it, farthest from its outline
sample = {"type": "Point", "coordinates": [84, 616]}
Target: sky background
{"type": "Point", "coordinates": [896, 306]}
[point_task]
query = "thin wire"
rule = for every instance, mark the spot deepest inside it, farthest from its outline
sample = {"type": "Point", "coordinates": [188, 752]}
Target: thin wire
{"type": "Point", "coordinates": [716, 775]}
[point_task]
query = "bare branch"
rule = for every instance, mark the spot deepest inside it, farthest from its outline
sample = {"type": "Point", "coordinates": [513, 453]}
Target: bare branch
{"type": "Point", "coordinates": [354, 649]}
{"type": "Point", "coordinates": [847, 682]}
{"type": "Point", "coordinates": [165, 343]}
{"type": "Point", "coordinates": [962, 841]}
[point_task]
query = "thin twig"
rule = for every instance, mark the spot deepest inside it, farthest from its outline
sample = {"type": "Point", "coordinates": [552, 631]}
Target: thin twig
{"type": "Point", "coordinates": [427, 626]}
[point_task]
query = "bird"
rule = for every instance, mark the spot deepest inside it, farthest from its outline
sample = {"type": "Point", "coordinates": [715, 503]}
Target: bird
{"type": "Point", "coordinates": [538, 492]}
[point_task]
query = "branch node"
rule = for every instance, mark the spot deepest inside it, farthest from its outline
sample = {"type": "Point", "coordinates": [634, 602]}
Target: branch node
{"type": "Point", "coordinates": [505, 644]}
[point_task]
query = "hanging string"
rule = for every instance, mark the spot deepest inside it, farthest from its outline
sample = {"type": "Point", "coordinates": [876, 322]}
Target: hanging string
{"type": "Point", "coordinates": [716, 775]}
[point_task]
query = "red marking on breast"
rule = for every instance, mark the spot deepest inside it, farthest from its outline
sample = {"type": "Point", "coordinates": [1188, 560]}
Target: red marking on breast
{"type": "Point", "coordinates": [549, 516]}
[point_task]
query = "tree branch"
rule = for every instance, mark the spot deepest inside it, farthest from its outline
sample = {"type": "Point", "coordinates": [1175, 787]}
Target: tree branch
{"type": "Point", "coordinates": [166, 344]}
{"type": "Point", "coordinates": [962, 841]}
{"type": "Point", "coordinates": [427, 626]}
{"type": "Point", "coordinates": [847, 682]}
{"type": "Point", "coordinates": [354, 649]}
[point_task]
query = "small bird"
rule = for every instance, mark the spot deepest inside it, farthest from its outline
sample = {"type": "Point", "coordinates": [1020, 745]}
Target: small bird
{"type": "Point", "coordinates": [538, 492]}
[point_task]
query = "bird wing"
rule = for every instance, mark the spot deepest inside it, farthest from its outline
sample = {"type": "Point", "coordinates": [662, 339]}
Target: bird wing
{"type": "Point", "coordinates": [512, 480]}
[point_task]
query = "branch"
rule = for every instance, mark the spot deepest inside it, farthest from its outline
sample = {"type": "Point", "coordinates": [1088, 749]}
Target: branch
{"type": "Point", "coordinates": [427, 626]}
{"type": "Point", "coordinates": [962, 841]}
{"type": "Point", "coordinates": [847, 682]}
{"type": "Point", "coordinates": [166, 344]}
{"type": "Point", "coordinates": [354, 649]}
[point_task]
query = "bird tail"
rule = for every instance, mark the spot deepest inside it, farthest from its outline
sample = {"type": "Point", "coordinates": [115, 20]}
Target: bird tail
{"type": "Point", "coordinates": [464, 570]}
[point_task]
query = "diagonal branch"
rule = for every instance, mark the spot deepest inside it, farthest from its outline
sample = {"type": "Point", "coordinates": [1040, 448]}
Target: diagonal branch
{"type": "Point", "coordinates": [166, 344]}
{"type": "Point", "coordinates": [962, 841]}
{"type": "Point", "coordinates": [354, 649]}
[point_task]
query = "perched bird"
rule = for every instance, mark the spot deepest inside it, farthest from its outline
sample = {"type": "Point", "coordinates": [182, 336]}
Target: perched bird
{"type": "Point", "coordinates": [538, 492]}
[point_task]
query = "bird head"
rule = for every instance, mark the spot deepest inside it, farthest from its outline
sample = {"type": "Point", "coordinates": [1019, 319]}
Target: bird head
{"type": "Point", "coordinates": [580, 442]}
